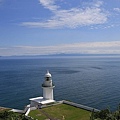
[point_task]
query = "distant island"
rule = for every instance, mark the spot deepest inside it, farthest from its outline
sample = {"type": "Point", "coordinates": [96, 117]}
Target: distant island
{"type": "Point", "coordinates": [63, 55]}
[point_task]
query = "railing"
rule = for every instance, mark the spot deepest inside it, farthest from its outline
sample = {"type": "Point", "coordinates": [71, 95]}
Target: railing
{"type": "Point", "coordinates": [48, 86]}
{"type": "Point", "coordinates": [26, 114]}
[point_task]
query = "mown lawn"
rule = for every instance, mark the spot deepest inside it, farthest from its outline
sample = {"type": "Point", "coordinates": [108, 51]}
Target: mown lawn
{"type": "Point", "coordinates": [37, 115]}
{"type": "Point", "coordinates": [61, 112]}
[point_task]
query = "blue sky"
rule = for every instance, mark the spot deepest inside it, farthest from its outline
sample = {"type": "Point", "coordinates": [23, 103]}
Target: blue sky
{"type": "Point", "coordinates": [34, 27]}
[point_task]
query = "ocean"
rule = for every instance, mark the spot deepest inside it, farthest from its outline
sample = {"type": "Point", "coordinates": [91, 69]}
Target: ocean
{"type": "Point", "coordinates": [89, 80]}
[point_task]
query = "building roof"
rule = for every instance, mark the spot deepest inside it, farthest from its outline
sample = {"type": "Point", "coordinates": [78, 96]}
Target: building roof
{"type": "Point", "coordinates": [41, 100]}
{"type": "Point", "coordinates": [48, 74]}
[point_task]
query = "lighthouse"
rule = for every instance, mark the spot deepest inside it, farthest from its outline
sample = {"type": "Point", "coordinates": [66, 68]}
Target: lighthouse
{"type": "Point", "coordinates": [48, 97]}
{"type": "Point", "coordinates": [48, 87]}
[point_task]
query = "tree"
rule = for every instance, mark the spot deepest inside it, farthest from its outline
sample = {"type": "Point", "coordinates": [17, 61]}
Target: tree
{"type": "Point", "coordinates": [106, 115]}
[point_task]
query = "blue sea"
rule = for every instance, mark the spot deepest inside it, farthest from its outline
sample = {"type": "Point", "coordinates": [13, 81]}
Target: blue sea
{"type": "Point", "coordinates": [89, 80]}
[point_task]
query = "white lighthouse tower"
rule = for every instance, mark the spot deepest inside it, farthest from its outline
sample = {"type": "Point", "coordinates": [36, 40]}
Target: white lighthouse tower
{"type": "Point", "coordinates": [47, 98]}
{"type": "Point", "coordinates": [48, 87]}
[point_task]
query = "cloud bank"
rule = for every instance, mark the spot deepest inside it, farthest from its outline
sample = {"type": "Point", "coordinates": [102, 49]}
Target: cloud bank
{"type": "Point", "coordinates": [90, 14]}
{"type": "Point", "coordinates": [112, 47]}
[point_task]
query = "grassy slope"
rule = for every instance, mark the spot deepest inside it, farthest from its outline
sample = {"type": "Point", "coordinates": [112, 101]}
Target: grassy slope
{"type": "Point", "coordinates": [62, 111]}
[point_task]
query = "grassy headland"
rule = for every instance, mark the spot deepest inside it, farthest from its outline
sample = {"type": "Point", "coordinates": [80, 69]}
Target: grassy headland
{"type": "Point", "coordinates": [61, 112]}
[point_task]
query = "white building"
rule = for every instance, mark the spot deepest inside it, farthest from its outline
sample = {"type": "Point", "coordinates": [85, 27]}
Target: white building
{"type": "Point", "coordinates": [47, 93]}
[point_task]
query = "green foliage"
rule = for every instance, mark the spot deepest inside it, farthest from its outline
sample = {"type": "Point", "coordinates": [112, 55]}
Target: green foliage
{"type": "Point", "coordinates": [106, 115]}
{"type": "Point", "coordinates": [102, 114]}
{"type": "Point", "coordinates": [8, 115]}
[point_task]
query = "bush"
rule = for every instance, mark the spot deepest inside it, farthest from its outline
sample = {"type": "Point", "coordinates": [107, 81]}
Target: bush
{"type": "Point", "coordinates": [106, 115]}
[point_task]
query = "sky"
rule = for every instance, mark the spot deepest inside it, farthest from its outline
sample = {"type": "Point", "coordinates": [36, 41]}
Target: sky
{"type": "Point", "coordinates": [41, 27]}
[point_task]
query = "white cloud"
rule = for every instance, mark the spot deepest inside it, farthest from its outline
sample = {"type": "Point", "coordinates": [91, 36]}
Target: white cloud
{"type": "Point", "coordinates": [112, 47]}
{"type": "Point", "coordinates": [117, 9]}
{"type": "Point", "coordinates": [49, 4]}
{"type": "Point", "coordinates": [72, 18]}
{"type": "Point", "coordinates": [98, 3]}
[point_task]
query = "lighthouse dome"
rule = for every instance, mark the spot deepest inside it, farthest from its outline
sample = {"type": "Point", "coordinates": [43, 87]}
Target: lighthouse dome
{"type": "Point", "coordinates": [48, 74]}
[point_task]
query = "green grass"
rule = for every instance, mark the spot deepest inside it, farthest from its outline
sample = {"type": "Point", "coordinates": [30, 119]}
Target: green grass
{"type": "Point", "coordinates": [37, 115]}
{"type": "Point", "coordinates": [61, 111]}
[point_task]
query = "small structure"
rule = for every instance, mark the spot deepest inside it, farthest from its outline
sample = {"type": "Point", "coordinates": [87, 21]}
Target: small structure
{"type": "Point", "coordinates": [47, 98]}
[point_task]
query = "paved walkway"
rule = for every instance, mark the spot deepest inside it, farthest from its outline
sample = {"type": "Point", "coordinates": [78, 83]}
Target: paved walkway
{"type": "Point", "coordinates": [18, 111]}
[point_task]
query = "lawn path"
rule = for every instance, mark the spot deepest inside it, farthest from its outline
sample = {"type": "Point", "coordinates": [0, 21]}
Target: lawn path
{"type": "Point", "coordinates": [47, 115]}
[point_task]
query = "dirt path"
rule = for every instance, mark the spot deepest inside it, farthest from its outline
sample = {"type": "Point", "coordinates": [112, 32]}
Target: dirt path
{"type": "Point", "coordinates": [47, 115]}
